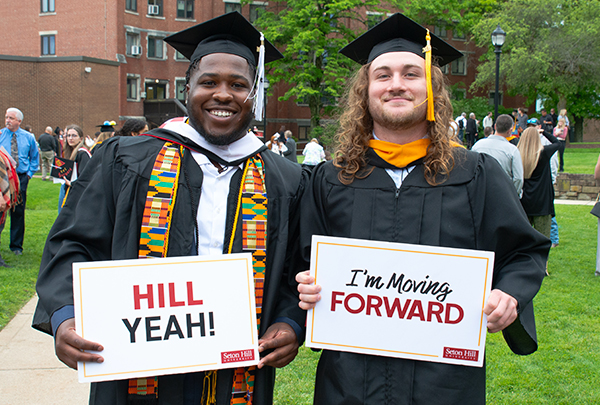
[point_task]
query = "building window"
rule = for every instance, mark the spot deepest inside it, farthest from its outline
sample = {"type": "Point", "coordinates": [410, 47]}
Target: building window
{"type": "Point", "coordinates": [155, 91]}
{"type": "Point", "coordinates": [373, 19]}
{"type": "Point", "coordinates": [180, 90]}
{"type": "Point", "coordinates": [303, 133]}
{"type": "Point", "coordinates": [440, 31]}
{"type": "Point", "coordinates": [491, 100]}
{"type": "Point", "coordinates": [444, 69]}
{"type": "Point", "coordinates": [229, 7]}
{"type": "Point", "coordinates": [48, 45]}
{"type": "Point", "coordinates": [458, 34]}
{"type": "Point", "coordinates": [132, 88]}
{"type": "Point", "coordinates": [155, 48]}
{"type": "Point", "coordinates": [185, 9]}
{"type": "Point", "coordinates": [47, 6]}
{"type": "Point", "coordinates": [179, 56]}
{"type": "Point", "coordinates": [133, 44]}
{"type": "Point", "coordinates": [155, 8]}
{"type": "Point", "coordinates": [255, 11]}
{"type": "Point", "coordinates": [459, 94]}
{"type": "Point", "coordinates": [131, 5]}
{"type": "Point", "coordinates": [459, 66]}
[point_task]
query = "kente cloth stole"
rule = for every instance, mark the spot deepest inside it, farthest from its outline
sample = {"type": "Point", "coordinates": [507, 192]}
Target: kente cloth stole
{"type": "Point", "coordinates": [253, 201]}
{"type": "Point", "coordinates": [154, 236]}
{"type": "Point", "coordinates": [252, 204]}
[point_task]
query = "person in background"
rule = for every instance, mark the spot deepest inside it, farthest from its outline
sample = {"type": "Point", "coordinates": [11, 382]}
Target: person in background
{"type": "Point", "coordinates": [504, 152]}
{"type": "Point", "coordinates": [313, 153]}
{"type": "Point", "coordinates": [75, 150]}
{"type": "Point", "coordinates": [488, 121]}
{"type": "Point", "coordinates": [487, 131]}
{"type": "Point", "coordinates": [23, 149]}
{"type": "Point", "coordinates": [461, 122]}
{"type": "Point", "coordinates": [546, 120]}
{"type": "Point", "coordinates": [58, 134]}
{"type": "Point", "coordinates": [560, 132]}
{"type": "Point", "coordinates": [276, 145]}
{"type": "Point", "coordinates": [132, 127]}
{"type": "Point", "coordinates": [107, 130]}
{"type": "Point", "coordinates": [538, 192]}
{"type": "Point", "coordinates": [291, 153]}
{"type": "Point", "coordinates": [521, 120]}
{"type": "Point", "coordinates": [472, 130]}
{"type": "Point", "coordinates": [48, 149]}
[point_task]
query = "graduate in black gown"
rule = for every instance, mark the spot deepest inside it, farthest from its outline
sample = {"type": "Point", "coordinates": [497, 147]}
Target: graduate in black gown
{"type": "Point", "coordinates": [104, 214]}
{"type": "Point", "coordinates": [400, 177]}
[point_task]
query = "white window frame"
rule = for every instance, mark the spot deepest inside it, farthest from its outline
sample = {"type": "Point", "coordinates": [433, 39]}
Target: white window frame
{"type": "Point", "coordinates": [136, 77]}
{"type": "Point", "coordinates": [152, 36]}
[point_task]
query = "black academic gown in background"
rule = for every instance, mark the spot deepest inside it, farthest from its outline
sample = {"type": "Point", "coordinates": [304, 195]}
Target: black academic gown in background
{"type": "Point", "coordinates": [101, 221]}
{"type": "Point", "coordinates": [476, 208]}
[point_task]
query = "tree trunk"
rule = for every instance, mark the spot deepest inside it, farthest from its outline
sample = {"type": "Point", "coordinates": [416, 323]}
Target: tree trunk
{"type": "Point", "coordinates": [577, 134]}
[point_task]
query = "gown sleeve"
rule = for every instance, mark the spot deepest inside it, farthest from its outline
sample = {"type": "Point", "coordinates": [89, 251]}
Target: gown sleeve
{"type": "Point", "coordinates": [78, 236]}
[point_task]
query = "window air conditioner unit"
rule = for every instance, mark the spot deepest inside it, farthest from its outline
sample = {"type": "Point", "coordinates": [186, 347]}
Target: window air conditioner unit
{"type": "Point", "coordinates": [143, 94]}
{"type": "Point", "coordinates": [153, 9]}
{"type": "Point", "coordinates": [136, 50]}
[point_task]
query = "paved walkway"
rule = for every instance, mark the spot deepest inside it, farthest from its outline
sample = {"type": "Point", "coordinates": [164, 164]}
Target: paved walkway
{"type": "Point", "coordinates": [30, 373]}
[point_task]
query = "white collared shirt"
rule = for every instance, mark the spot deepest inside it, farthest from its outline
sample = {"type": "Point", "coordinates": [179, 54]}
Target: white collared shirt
{"type": "Point", "coordinates": [212, 209]}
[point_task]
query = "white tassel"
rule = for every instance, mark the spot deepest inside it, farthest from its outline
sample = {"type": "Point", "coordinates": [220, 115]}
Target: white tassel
{"type": "Point", "coordinates": [259, 82]}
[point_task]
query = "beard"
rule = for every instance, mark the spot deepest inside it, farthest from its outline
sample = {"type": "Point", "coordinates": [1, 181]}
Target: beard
{"type": "Point", "coordinates": [397, 122]}
{"type": "Point", "coordinates": [221, 140]}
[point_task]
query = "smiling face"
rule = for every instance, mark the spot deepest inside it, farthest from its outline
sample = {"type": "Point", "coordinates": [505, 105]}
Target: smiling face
{"type": "Point", "coordinates": [73, 138]}
{"type": "Point", "coordinates": [217, 95]}
{"type": "Point", "coordinates": [397, 92]}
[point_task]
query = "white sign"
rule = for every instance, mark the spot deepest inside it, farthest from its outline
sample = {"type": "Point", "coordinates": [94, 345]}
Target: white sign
{"type": "Point", "coordinates": [166, 316]}
{"type": "Point", "coordinates": [399, 300]}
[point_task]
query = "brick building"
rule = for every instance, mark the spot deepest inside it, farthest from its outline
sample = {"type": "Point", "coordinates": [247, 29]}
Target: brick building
{"type": "Point", "coordinates": [84, 61]}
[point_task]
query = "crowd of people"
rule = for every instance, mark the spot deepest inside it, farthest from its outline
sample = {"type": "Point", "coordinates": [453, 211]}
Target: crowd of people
{"type": "Point", "coordinates": [399, 174]}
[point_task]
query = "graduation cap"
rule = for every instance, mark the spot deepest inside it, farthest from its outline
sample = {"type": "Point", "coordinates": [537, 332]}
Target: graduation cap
{"type": "Point", "coordinates": [107, 126]}
{"type": "Point", "coordinates": [230, 33]}
{"type": "Point", "coordinates": [399, 33]}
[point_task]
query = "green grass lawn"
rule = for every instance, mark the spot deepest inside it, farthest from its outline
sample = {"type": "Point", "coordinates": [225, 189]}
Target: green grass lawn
{"type": "Point", "coordinates": [565, 369]}
{"type": "Point", "coordinates": [17, 284]}
{"type": "Point", "coordinates": [581, 160]}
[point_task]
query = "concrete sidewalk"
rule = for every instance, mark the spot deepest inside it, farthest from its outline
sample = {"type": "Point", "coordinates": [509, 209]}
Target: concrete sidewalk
{"type": "Point", "coordinates": [30, 373]}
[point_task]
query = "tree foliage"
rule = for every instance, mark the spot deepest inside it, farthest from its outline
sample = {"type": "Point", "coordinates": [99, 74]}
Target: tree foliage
{"type": "Point", "coordinates": [551, 52]}
{"type": "Point", "coordinates": [310, 33]}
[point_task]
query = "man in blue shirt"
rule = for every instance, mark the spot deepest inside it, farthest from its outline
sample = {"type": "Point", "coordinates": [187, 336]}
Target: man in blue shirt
{"type": "Point", "coordinates": [26, 154]}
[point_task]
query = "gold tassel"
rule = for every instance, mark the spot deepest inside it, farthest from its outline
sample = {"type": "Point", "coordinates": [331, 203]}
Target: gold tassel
{"type": "Point", "coordinates": [209, 388]}
{"type": "Point", "coordinates": [427, 51]}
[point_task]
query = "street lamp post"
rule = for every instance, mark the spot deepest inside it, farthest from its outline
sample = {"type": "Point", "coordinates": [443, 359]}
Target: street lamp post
{"type": "Point", "coordinates": [498, 37]}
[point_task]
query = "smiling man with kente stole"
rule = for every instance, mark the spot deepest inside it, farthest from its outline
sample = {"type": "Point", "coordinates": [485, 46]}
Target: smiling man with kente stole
{"type": "Point", "coordinates": [198, 185]}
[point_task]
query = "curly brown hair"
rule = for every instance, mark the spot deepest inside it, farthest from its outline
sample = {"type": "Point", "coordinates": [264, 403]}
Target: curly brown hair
{"type": "Point", "coordinates": [356, 127]}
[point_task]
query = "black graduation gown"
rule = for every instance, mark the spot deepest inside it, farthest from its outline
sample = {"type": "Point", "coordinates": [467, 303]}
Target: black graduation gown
{"type": "Point", "coordinates": [538, 191]}
{"type": "Point", "coordinates": [476, 208]}
{"type": "Point", "coordinates": [102, 218]}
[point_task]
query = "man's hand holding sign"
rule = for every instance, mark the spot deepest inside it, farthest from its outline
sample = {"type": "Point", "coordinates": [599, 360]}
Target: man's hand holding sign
{"type": "Point", "coordinates": [431, 301]}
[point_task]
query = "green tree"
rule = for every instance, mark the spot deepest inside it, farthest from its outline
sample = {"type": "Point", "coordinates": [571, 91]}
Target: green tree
{"type": "Point", "coordinates": [310, 33]}
{"type": "Point", "coordinates": [551, 52]}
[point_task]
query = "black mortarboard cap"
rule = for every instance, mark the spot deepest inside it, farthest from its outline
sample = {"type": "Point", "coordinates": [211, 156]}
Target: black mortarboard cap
{"type": "Point", "coordinates": [398, 33]}
{"type": "Point", "coordinates": [107, 126]}
{"type": "Point", "coordinates": [230, 33]}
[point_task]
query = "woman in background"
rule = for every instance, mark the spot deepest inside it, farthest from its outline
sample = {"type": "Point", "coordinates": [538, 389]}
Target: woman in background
{"type": "Point", "coordinates": [560, 132]}
{"type": "Point", "coordinates": [538, 192]}
{"type": "Point", "coordinates": [76, 150]}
